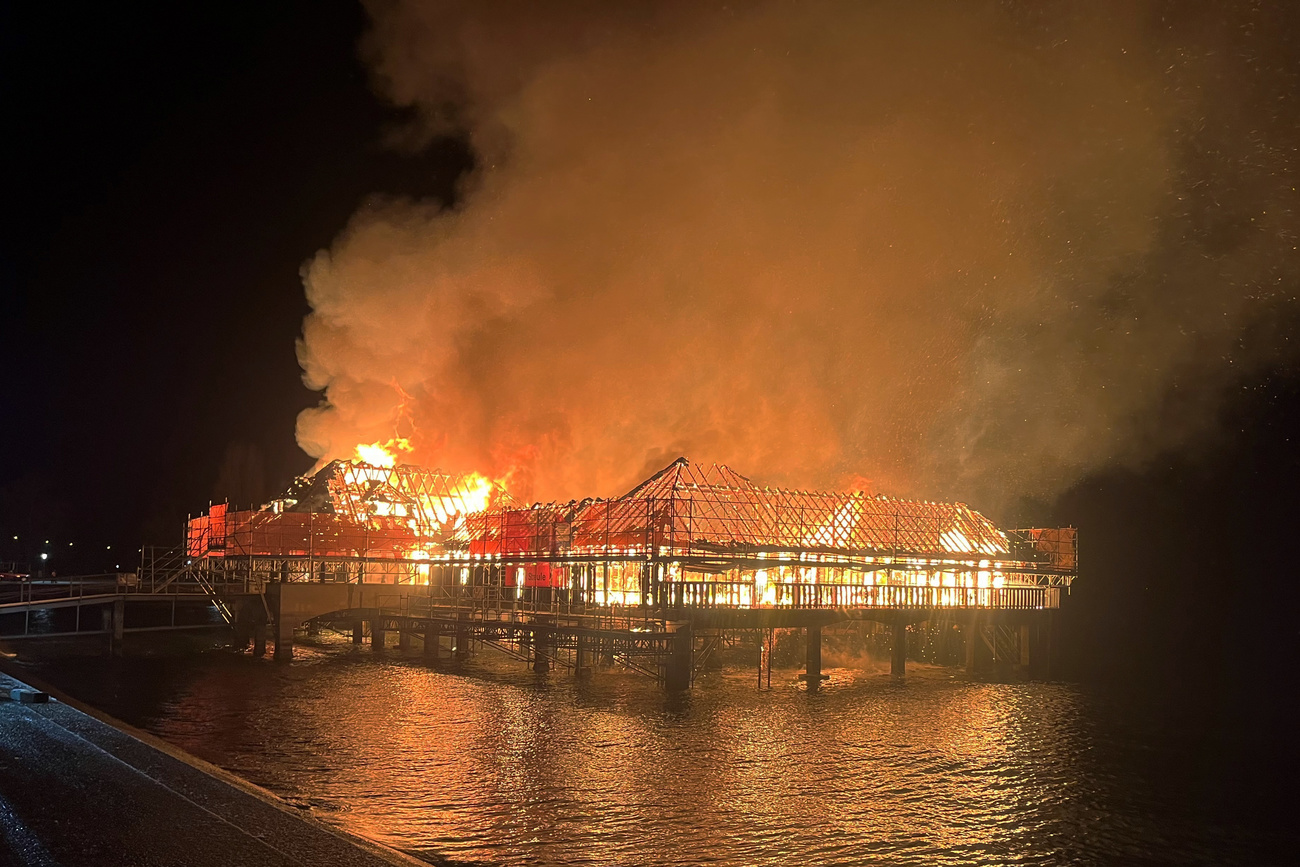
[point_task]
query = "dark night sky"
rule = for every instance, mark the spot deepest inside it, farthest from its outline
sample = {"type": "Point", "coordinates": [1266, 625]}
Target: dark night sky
{"type": "Point", "coordinates": [170, 170]}
{"type": "Point", "coordinates": [174, 171]}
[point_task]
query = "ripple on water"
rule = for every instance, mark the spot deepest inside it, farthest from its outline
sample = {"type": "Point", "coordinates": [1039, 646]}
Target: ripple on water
{"type": "Point", "coordinates": [490, 764]}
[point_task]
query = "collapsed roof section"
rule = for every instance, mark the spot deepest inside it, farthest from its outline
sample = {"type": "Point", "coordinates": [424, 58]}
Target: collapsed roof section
{"type": "Point", "coordinates": [350, 510]}
{"type": "Point", "coordinates": [431, 503]}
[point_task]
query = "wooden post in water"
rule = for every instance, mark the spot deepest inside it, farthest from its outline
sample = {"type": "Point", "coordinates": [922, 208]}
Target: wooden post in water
{"type": "Point", "coordinates": [119, 625]}
{"type": "Point", "coordinates": [898, 651]}
{"type": "Point", "coordinates": [813, 659]}
{"type": "Point", "coordinates": [377, 634]}
{"type": "Point", "coordinates": [973, 641]}
{"type": "Point", "coordinates": [541, 646]}
{"type": "Point", "coordinates": [431, 639]}
{"type": "Point", "coordinates": [462, 637]}
{"type": "Point", "coordinates": [582, 657]}
{"type": "Point", "coordinates": [681, 663]}
{"type": "Point", "coordinates": [358, 632]}
{"type": "Point", "coordinates": [259, 639]}
{"type": "Point", "coordinates": [1040, 645]}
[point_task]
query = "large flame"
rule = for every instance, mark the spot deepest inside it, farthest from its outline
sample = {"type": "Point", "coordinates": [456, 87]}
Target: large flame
{"type": "Point", "coordinates": [478, 491]}
{"type": "Point", "coordinates": [379, 454]}
{"type": "Point", "coordinates": [472, 492]}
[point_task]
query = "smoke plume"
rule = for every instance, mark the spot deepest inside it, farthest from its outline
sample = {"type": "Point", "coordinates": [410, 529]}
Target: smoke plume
{"type": "Point", "coordinates": [967, 250]}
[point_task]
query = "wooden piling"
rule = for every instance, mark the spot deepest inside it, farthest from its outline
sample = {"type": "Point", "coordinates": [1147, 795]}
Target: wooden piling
{"type": "Point", "coordinates": [813, 658]}
{"type": "Point", "coordinates": [119, 624]}
{"type": "Point", "coordinates": [542, 649]}
{"type": "Point", "coordinates": [898, 651]}
{"type": "Point", "coordinates": [680, 664]}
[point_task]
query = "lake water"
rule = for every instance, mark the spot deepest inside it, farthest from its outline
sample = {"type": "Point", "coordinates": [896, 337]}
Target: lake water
{"type": "Point", "coordinates": [487, 763]}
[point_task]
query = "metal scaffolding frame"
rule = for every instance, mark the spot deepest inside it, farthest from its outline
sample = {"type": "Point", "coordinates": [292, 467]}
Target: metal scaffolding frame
{"type": "Point", "coordinates": [690, 536]}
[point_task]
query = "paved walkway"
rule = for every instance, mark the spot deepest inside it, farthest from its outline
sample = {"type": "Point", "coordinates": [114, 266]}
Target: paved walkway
{"type": "Point", "coordinates": [75, 790]}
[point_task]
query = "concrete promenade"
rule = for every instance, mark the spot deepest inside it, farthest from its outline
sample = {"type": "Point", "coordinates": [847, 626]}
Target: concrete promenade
{"type": "Point", "coordinates": [76, 790]}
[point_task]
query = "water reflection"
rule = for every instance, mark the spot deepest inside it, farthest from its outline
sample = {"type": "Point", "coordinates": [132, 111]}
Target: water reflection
{"type": "Point", "coordinates": [484, 762]}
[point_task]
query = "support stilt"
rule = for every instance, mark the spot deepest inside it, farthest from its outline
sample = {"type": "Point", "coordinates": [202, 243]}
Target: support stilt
{"type": "Point", "coordinates": [358, 632]}
{"type": "Point", "coordinates": [1040, 646]}
{"type": "Point", "coordinates": [813, 659]}
{"type": "Point", "coordinates": [541, 649]}
{"type": "Point", "coordinates": [462, 639]}
{"type": "Point", "coordinates": [681, 663]}
{"type": "Point", "coordinates": [582, 657]}
{"type": "Point", "coordinates": [898, 651]}
{"type": "Point", "coordinates": [283, 639]}
{"type": "Point", "coordinates": [119, 626]}
{"type": "Point", "coordinates": [973, 642]}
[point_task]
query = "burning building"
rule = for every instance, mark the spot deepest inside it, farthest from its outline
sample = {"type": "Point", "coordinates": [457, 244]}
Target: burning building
{"type": "Point", "coordinates": [689, 536]}
{"type": "Point", "coordinates": [689, 554]}
{"type": "Point", "coordinates": [349, 521]}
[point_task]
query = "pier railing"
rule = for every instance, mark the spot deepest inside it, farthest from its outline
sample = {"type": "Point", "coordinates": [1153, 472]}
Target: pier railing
{"type": "Point", "coordinates": [719, 594]}
{"type": "Point", "coordinates": [633, 581]}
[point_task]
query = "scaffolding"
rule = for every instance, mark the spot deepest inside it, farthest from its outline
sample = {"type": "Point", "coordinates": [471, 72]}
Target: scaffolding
{"type": "Point", "coordinates": [690, 536]}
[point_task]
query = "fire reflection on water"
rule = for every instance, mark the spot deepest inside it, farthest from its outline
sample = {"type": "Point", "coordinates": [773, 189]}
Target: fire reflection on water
{"type": "Point", "coordinates": [489, 764]}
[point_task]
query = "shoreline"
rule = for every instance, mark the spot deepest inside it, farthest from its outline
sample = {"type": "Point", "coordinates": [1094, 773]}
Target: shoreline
{"type": "Point", "coordinates": [78, 786]}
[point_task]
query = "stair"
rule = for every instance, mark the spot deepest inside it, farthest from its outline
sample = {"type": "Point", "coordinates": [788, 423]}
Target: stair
{"type": "Point", "coordinates": [164, 569]}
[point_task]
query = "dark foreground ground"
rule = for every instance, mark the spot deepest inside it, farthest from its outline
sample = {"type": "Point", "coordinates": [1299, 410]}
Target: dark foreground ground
{"type": "Point", "coordinates": [76, 790]}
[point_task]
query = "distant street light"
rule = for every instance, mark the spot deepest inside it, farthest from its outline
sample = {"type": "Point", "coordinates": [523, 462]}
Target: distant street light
{"type": "Point", "coordinates": [44, 556]}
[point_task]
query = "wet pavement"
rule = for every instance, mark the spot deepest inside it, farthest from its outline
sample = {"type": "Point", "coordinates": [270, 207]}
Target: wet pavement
{"type": "Point", "coordinates": [75, 790]}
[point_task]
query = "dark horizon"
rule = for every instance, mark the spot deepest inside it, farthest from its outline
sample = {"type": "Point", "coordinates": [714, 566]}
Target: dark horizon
{"type": "Point", "coordinates": [177, 168]}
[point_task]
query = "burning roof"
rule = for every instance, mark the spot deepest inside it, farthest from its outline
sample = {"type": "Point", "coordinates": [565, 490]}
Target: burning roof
{"type": "Point", "coordinates": [351, 509]}
{"type": "Point", "coordinates": [687, 505]}
{"type": "Point", "coordinates": [429, 502]}
{"type": "Point", "coordinates": [354, 509]}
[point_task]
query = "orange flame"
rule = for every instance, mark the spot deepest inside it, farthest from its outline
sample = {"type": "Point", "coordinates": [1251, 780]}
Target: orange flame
{"type": "Point", "coordinates": [478, 491]}
{"type": "Point", "coordinates": [381, 454]}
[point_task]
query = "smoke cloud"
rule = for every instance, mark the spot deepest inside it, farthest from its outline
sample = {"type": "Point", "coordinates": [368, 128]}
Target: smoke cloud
{"type": "Point", "coordinates": [968, 250]}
